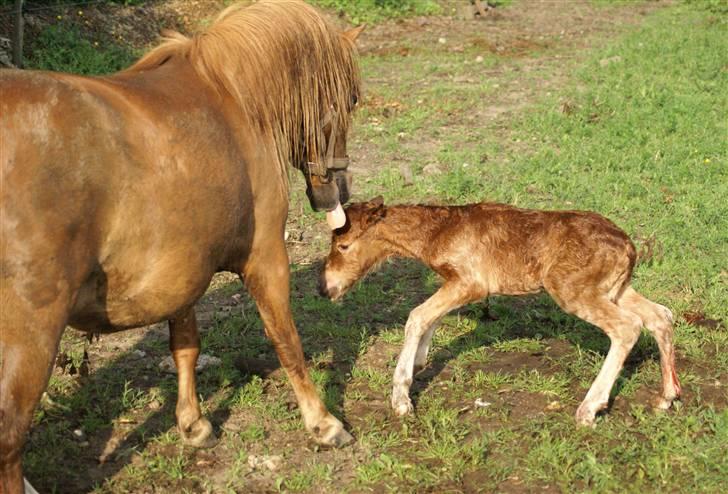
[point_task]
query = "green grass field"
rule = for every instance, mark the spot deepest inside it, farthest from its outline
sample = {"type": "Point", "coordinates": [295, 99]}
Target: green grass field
{"type": "Point", "coordinates": [638, 131]}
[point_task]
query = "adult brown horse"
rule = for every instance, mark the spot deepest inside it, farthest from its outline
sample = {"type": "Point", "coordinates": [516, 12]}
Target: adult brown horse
{"type": "Point", "coordinates": [122, 195]}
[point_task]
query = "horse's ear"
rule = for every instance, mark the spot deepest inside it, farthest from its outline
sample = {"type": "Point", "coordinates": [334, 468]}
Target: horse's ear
{"type": "Point", "coordinates": [354, 33]}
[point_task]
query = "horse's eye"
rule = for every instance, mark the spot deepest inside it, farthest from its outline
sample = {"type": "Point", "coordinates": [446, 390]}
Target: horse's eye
{"type": "Point", "coordinates": [342, 247]}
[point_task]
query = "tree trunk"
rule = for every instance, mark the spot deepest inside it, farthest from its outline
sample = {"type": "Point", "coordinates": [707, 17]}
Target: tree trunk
{"type": "Point", "coordinates": [18, 35]}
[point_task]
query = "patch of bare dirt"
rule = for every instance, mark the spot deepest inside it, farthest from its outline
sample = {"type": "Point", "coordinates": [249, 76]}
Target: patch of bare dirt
{"type": "Point", "coordinates": [538, 41]}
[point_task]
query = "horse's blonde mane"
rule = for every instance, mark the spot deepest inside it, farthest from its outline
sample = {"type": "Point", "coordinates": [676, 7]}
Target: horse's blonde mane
{"type": "Point", "coordinates": [283, 63]}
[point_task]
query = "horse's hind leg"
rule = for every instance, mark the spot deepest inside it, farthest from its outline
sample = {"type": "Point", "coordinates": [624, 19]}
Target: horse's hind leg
{"type": "Point", "coordinates": [184, 342]}
{"type": "Point", "coordinates": [267, 278]}
{"type": "Point", "coordinates": [658, 320]}
{"type": "Point", "coordinates": [29, 339]}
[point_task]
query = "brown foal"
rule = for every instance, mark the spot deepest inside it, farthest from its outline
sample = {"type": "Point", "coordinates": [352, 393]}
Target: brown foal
{"type": "Point", "coordinates": [580, 258]}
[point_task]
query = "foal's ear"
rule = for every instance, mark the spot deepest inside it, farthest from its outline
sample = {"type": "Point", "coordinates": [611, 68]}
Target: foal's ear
{"type": "Point", "coordinates": [374, 211]}
{"type": "Point", "coordinates": [352, 34]}
{"type": "Point", "coordinates": [377, 202]}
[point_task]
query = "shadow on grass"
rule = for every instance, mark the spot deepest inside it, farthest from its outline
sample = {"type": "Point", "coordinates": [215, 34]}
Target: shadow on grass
{"type": "Point", "coordinates": [123, 389]}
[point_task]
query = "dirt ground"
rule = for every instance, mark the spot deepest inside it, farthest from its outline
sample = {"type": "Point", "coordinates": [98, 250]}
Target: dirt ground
{"type": "Point", "coordinates": [544, 38]}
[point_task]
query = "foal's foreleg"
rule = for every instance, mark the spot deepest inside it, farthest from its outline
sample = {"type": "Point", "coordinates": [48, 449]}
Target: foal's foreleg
{"type": "Point", "coordinates": [184, 342]}
{"type": "Point", "coordinates": [267, 278]}
{"type": "Point", "coordinates": [421, 323]}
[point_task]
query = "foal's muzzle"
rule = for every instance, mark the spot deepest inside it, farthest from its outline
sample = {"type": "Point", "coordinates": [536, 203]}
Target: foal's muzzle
{"type": "Point", "coordinates": [331, 291]}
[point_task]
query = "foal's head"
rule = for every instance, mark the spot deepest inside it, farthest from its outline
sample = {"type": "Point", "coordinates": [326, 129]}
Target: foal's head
{"type": "Point", "coordinates": [355, 249]}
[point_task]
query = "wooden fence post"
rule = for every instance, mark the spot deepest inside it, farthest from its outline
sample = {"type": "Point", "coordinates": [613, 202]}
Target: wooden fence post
{"type": "Point", "coordinates": [18, 35]}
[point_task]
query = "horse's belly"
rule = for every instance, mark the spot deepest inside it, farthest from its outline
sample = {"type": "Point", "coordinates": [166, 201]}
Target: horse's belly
{"type": "Point", "coordinates": [112, 301]}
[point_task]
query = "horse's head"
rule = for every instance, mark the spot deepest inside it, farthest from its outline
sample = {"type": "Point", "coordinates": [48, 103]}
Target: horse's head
{"type": "Point", "coordinates": [328, 181]}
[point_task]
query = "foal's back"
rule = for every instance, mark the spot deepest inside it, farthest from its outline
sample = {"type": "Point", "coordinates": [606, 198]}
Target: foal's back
{"type": "Point", "coordinates": [508, 250]}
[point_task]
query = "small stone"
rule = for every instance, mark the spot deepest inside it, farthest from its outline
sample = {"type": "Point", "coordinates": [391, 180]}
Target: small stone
{"type": "Point", "coordinates": [442, 41]}
{"type": "Point", "coordinates": [480, 403]}
{"type": "Point", "coordinates": [271, 462]}
{"type": "Point", "coordinates": [286, 234]}
{"type": "Point", "coordinates": [203, 361]}
{"type": "Point", "coordinates": [406, 172]}
{"type": "Point", "coordinates": [79, 435]}
{"type": "Point", "coordinates": [109, 449]}
{"type": "Point", "coordinates": [431, 169]}
{"type": "Point", "coordinates": [554, 406]}
{"type": "Point", "coordinates": [608, 61]}
{"type": "Point", "coordinates": [479, 59]}
{"type": "Point", "coordinates": [28, 488]}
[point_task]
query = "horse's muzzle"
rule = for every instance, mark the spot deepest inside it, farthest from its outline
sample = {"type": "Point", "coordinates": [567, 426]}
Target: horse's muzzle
{"type": "Point", "coordinates": [326, 194]}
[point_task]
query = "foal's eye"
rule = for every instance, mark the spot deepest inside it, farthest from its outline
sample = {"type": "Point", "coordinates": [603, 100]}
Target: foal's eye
{"type": "Point", "coordinates": [342, 247]}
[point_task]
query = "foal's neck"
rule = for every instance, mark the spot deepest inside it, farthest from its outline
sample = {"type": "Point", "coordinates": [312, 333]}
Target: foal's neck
{"type": "Point", "coordinates": [410, 229]}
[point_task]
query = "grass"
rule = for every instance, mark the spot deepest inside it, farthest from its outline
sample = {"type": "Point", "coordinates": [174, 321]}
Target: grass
{"type": "Point", "coordinates": [637, 139]}
{"type": "Point", "coordinates": [62, 47]}
{"type": "Point", "coordinates": [369, 11]}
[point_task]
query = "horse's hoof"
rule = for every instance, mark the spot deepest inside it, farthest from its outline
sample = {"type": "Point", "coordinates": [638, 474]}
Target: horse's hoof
{"type": "Point", "coordinates": [330, 432]}
{"type": "Point", "coordinates": [200, 434]}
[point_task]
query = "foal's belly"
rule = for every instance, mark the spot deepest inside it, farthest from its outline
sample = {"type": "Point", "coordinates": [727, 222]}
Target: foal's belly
{"type": "Point", "coordinates": [113, 299]}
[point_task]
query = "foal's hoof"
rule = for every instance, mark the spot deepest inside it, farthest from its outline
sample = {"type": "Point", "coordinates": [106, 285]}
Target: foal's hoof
{"type": "Point", "coordinates": [585, 418]}
{"type": "Point", "coordinates": [662, 403]}
{"type": "Point", "coordinates": [330, 432]}
{"type": "Point", "coordinates": [403, 408]}
{"type": "Point", "coordinates": [200, 434]}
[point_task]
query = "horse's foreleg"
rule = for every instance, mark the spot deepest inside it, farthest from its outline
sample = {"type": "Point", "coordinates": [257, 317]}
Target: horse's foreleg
{"type": "Point", "coordinates": [184, 342]}
{"type": "Point", "coordinates": [267, 278]}
{"type": "Point", "coordinates": [29, 339]}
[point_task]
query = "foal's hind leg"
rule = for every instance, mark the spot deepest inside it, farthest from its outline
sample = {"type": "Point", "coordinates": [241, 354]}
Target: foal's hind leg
{"type": "Point", "coordinates": [623, 328]}
{"type": "Point", "coordinates": [29, 339]}
{"type": "Point", "coordinates": [184, 342]}
{"type": "Point", "coordinates": [658, 320]}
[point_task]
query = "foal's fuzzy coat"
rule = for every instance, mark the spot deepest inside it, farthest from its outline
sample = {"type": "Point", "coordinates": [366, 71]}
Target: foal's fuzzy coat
{"type": "Point", "coordinates": [580, 258]}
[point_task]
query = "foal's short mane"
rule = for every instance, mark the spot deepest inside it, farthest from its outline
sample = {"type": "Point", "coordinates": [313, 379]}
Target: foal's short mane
{"type": "Point", "coordinates": [282, 62]}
